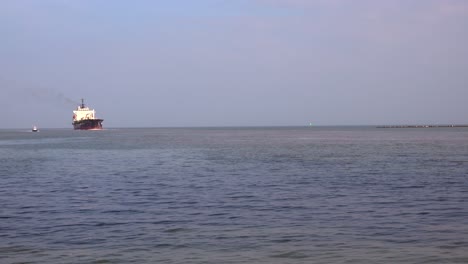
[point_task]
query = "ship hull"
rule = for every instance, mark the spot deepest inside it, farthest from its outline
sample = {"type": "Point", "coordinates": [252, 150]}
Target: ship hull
{"type": "Point", "coordinates": [88, 124]}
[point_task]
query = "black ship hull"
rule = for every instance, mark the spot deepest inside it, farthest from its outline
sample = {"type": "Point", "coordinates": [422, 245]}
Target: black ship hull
{"type": "Point", "coordinates": [88, 124]}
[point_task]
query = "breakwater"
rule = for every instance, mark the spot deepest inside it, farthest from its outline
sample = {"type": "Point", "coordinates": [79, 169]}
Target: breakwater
{"type": "Point", "coordinates": [421, 126]}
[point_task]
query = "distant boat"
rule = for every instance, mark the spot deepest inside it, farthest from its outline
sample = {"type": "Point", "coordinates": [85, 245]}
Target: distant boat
{"type": "Point", "coordinates": [34, 129]}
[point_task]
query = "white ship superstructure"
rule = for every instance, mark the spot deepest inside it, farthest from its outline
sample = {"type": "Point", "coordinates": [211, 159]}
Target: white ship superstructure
{"type": "Point", "coordinates": [82, 112]}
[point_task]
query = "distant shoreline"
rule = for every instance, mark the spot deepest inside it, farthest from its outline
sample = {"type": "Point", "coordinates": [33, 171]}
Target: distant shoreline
{"type": "Point", "coordinates": [421, 126]}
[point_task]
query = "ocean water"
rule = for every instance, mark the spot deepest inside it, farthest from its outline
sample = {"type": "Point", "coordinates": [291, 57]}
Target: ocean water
{"type": "Point", "coordinates": [234, 195]}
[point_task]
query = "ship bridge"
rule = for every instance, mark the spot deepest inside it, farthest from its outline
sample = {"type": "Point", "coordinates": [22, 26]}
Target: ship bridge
{"type": "Point", "coordinates": [83, 113]}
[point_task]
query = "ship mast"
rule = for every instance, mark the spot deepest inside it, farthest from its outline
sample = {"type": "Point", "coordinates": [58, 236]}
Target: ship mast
{"type": "Point", "coordinates": [82, 103]}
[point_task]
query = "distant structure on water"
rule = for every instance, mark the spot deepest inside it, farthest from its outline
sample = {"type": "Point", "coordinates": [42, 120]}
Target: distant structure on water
{"type": "Point", "coordinates": [421, 126]}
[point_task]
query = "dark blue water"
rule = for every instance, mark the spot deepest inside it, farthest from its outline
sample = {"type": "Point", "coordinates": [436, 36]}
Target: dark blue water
{"type": "Point", "coordinates": [234, 195]}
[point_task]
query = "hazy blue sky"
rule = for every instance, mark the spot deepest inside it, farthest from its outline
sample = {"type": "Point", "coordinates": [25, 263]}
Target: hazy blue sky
{"type": "Point", "coordinates": [234, 62]}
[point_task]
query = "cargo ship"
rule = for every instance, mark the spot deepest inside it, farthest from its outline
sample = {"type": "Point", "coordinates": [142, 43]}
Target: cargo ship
{"type": "Point", "coordinates": [85, 118]}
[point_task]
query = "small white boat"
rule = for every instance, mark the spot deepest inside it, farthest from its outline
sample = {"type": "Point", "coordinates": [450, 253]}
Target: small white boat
{"type": "Point", "coordinates": [34, 129]}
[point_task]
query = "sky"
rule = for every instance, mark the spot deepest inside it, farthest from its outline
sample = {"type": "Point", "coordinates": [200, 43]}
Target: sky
{"type": "Point", "coordinates": [179, 63]}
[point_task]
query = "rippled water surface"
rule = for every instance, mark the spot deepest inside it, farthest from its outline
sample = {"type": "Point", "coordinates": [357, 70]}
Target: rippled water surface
{"type": "Point", "coordinates": [234, 195]}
